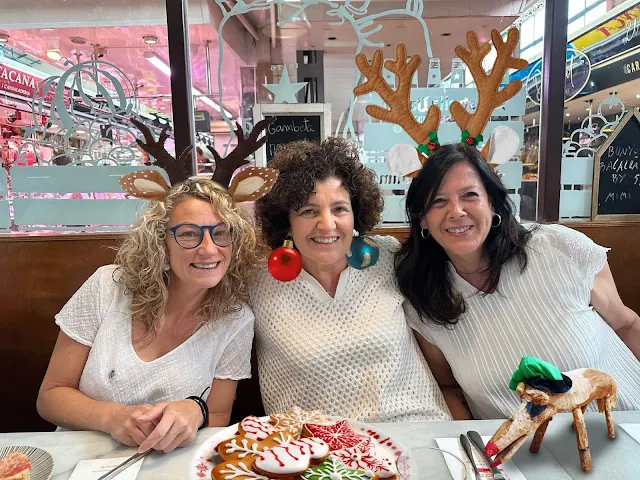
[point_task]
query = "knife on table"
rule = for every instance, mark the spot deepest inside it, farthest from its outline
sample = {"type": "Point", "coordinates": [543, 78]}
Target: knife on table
{"type": "Point", "coordinates": [466, 446]}
{"type": "Point", "coordinates": [477, 441]}
{"type": "Point", "coordinates": [123, 466]}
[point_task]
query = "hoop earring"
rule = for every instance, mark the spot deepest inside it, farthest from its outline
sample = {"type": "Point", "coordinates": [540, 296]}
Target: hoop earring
{"type": "Point", "coordinates": [422, 233]}
{"type": "Point", "coordinates": [499, 220]}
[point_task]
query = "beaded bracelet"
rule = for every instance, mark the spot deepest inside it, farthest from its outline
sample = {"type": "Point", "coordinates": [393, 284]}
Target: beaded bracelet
{"type": "Point", "coordinates": [204, 408]}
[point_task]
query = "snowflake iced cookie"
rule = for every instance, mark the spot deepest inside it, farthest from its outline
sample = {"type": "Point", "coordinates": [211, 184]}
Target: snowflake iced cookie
{"type": "Point", "coordinates": [333, 469]}
{"type": "Point", "coordinates": [338, 436]}
{"type": "Point", "coordinates": [293, 420]}
{"type": "Point", "coordinates": [239, 470]}
{"type": "Point", "coordinates": [256, 428]}
{"type": "Point", "coordinates": [291, 459]}
{"type": "Point", "coordinates": [365, 457]}
{"type": "Point", "coordinates": [242, 448]}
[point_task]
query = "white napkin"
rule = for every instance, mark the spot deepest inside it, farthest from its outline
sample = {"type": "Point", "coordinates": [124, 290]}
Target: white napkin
{"type": "Point", "coordinates": [632, 429]}
{"type": "Point", "coordinates": [452, 445]}
{"type": "Point", "coordinates": [94, 469]}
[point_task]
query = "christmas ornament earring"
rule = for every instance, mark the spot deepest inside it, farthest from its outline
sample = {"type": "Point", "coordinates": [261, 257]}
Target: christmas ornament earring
{"type": "Point", "coordinates": [363, 252]}
{"type": "Point", "coordinates": [285, 263]}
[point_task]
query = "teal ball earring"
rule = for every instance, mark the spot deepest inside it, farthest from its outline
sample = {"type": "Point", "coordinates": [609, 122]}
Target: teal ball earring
{"type": "Point", "coordinates": [363, 252]}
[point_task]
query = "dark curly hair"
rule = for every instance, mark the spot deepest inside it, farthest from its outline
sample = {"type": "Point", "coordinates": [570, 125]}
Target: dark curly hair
{"type": "Point", "coordinates": [301, 165]}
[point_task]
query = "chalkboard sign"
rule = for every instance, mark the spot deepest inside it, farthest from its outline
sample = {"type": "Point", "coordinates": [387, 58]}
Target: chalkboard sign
{"type": "Point", "coordinates": [616, 182]}
{"type": "Point", "coordinates": [298, 121]}
{"type": "Point", "coordinates": [290, 128]}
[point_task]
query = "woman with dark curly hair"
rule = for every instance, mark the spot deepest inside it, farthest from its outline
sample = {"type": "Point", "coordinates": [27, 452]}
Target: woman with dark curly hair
{"type": "Point", "coordinates": [335, 338]}
{"type": "Point", "coordinates": [489, 290]}
{"type": "Point", "coordinates": [167, 322]}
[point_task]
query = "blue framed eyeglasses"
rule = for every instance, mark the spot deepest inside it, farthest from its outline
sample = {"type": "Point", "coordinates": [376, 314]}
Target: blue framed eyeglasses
{"type": "Point", "coordinates": [190, 235]}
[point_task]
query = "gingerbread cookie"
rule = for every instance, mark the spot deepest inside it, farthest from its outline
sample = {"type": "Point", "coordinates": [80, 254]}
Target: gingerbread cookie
{"type": "Point", "coordinates": [293, 420]}
{"type": "Point", "coordinates": [364, 457]}
{"type": "Point", "coordinates": [240, 470]}
{"type": "Point", "coordinates": [291, 459]}
{"type": "Point", "coordinates": [338, 436]}
{"type": "Point", "coordinates": [256, 428]}
{"type": "Point", "coordinates": [333, 469]}
{"type": "Point", "coordinates": [243, 448]}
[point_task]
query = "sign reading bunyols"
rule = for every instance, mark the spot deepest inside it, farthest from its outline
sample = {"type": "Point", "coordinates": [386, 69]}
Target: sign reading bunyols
{"type": "Point", "coordinates": [616, 179]}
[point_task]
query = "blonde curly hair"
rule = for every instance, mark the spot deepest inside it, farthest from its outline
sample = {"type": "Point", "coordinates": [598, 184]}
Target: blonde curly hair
{"type": "Point", "coordinates": [143, 254]}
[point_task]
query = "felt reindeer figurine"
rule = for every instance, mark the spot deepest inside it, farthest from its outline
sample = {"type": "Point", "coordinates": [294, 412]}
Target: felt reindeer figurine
{"type": "Point", "coordinates": [248, 185]}
{"type": "Point", "coordinates": [407, 160]}
{"type": "Point", "coordinates": [544, 391]}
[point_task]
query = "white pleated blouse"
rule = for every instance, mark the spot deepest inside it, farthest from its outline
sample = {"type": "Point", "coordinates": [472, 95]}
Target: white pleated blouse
{"type": "Point", "coordinates": [543, 312]}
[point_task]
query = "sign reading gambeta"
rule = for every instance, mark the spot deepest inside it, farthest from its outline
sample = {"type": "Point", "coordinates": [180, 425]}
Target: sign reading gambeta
{"type": "Point", "coordinates": [24, 84]}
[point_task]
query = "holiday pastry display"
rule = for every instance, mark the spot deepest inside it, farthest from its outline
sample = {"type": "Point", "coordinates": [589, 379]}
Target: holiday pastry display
{"type": "Point", "coordinates": [302, 445]}
{"type": "Point", "coordinates": [15, 466]}
{"type": "Point", "coordinates": [545, 391]}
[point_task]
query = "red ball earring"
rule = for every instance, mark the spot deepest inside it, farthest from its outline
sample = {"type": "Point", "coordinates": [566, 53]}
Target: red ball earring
{"type": "Point", "coordinates": [285, 263]}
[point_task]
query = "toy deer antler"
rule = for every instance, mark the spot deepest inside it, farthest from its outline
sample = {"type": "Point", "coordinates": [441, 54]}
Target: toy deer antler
{"type": "Point", "coordinates": [399, 100]}
{"type": "Point", "coordinates": [163, 158]}
{"type": "Point", "coordinates": [250, 184]}
{"type": "Point", "coordinates": [238, 157]}
{"type": "Point", "coordinates": [489, 95]}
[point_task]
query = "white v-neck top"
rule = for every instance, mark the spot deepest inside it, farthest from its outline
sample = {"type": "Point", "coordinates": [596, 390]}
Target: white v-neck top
{"type": "Point", "coordinates": [543, 312]}
{"type": "Point", "coordinates": [352, 355]}
{"type": "Point", "coordinates": [98, 316]}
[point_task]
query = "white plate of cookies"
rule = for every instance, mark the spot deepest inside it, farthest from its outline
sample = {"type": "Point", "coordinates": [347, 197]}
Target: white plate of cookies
{"type": "Point", "coordinates": [301, 445]}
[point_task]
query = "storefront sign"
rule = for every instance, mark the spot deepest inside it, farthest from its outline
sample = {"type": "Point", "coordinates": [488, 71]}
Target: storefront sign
{"type": "Point", "coordinates": [625, 21]}
{"type": "Point", "coordinates": [24, 84]}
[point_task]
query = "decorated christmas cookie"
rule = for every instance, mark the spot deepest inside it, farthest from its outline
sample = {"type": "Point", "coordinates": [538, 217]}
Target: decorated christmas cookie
{"type": "Point", "coordinates": [291, 459]}
{"type": "Point", "coordinates": [240, 470]}
{"type": "Point", "coordinates": [365, 457]}
{"type": "Point", "coordinates": [256, 428]}
{"type": "Point", "coordinates": [333, 469]}
{"type": "Point", "coordinates": [243, 448]}
{"type": "Point", "coordinates": [338, 436]}
{"type": "Point", "coordinates": [293, 420]}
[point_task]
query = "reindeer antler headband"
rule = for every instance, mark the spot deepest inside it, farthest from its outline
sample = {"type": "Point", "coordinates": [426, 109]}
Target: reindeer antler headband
{"type": "Point", "coordinates": [248, 185]}
{"type": "Point", "coordinates": [406, 160]}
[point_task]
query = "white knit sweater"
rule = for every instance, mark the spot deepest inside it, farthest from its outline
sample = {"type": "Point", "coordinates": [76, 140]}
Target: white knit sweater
{"type": "Point", "coordinates": [542, 312]}
{"type": "Point", "coordinates": [352, 355]}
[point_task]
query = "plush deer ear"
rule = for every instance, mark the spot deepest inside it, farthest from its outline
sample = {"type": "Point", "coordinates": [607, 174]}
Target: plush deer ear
{"type": "Point", "coordinates": [147, 184]}
{"type": "Point", "coordinates": [502, 146]}
{"type": "Point", "coordinates": [404, 160]}
{"type": "Point", "coordinates": [253, 183]}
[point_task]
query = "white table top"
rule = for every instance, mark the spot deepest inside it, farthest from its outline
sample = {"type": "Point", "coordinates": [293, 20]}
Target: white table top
{"type": "Point", "coordinates": [612, 459]}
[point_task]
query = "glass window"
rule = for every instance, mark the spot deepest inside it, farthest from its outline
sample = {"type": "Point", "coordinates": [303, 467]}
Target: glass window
{"type": "Point", "coordinates": [595, 14]}
{"type": "Point", "coordinates": [575, 25]}
{"type": "Point", "coordinates": [527, 32]}
{"type": "Point", "coordinates": [575, 7]}
{"type": "Point", "coordinates": [75, 79]}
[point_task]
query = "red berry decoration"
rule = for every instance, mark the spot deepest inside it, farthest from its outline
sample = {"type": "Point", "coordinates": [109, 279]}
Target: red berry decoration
{"type": "Point", "coordinates": [285, 263]}
{"type": "Point", "coordinates": [470, 141]}
{"type": "Point", "coordinates": [432, 146]}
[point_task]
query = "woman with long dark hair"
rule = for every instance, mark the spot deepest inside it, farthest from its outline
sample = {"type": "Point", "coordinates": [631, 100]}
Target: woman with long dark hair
{"type": "Point", "coordinates": [487, 290]}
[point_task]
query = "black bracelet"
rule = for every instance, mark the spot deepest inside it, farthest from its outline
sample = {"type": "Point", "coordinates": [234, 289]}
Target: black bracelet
{"type": "Point", "coordinates": [204, 408]}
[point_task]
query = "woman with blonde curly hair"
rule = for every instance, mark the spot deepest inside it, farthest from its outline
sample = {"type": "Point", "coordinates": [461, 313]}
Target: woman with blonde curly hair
{"type": "Point", "coordinates": [142, 340]}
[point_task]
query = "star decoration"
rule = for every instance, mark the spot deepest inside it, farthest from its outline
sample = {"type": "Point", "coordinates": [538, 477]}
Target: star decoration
{"type": "Point", "coordinates": [456, 76]}
{"type": "Point", "coordinates": [285, 91]}
{"type": "Point", "coordinates": [364, 457]}
{"type": "Point", "coordinates": [338, 436]}
{"type": "Point", "coordinates": [333, 469]}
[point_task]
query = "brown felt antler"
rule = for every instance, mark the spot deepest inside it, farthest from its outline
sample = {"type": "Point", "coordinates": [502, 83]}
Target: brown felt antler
{"type": "Point", "coordinates": [238, 157]}
{"type": "Point", "coordinates": [489, 95]}
{"type": "Point", "coordinates": [398, 100]}
{"type": "Point", "coordinates": [163, 158]}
